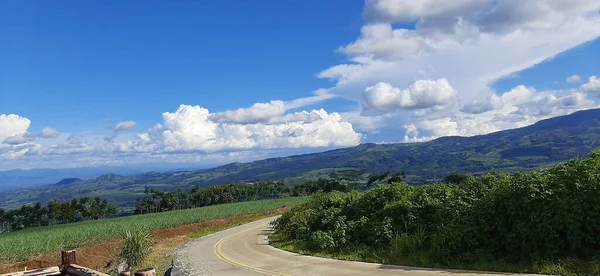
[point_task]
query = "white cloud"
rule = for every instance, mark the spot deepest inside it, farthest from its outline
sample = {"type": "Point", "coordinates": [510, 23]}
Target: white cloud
{"type": "Point", "coordinates": [518, 95]}
{"type": "Point", "coordinates": [411, 10]}
{"type": "Point", "coordinates": [74, 144]}
{"type": "Point", "coordinates": [509, 15]}
{"type": "Point", "coordinates": [420, 95]}
{"type": "Point", "coordinates": [12, 125]}
{"type": "Point", "coordinates": [491, 102]}
{"type": "Point", "coordinates": [551, 105]}
{"type": "Point", "coordinates": [49, 132]}
{"type": "Point", "coordinates": [18, 139]}
{"type": "Point", "coordinates": [15, 140]}
{"type": "Point", "coordinates": [192, 128]}
{"type": "Point", "coordinates": [381, 41]}
{"type": "Point", "coordinates": [320, 95]}
{"type": "Point", "coordinates": [411, 135]}
{"type": "Point", "coordinates": [463, 41]}
{"type": "Point", "coordinates": [17, 151]}
{"type": "Point", "coordinates": [126, 125]}
{"type": "Point", "coordinates": [272, 112]}
{"type": "Point", "coordinates": [365, 123]}
{"type": "Point", "coordinates": [257, 113]}
{"type": "Point", "coordinates": [592, 86]}
{"type": "Point", "coordinates": [573, 79]}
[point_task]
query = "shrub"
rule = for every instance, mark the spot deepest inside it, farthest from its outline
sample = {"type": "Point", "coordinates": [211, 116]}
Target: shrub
{"type": "Point", "coordinates": [136, 247]}
{"type": "Point", "coordinates": [529, 217]}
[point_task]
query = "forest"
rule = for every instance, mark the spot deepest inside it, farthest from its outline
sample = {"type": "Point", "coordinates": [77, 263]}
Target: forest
{"type": "Point", "coordinates": [55, 212]}
{"type": "Point", "coordinates": [160, 201]}
{"type": "Point", "coordinates": [528, 218]}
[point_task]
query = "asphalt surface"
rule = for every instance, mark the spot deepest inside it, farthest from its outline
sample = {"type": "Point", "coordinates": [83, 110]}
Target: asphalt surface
{"type": "Point", "coordinates": [244, 250]}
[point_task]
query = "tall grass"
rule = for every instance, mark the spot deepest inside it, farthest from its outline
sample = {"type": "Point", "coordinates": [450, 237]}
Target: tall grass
{"type": "Point", "coordinates": [23, 244]}
{"type": "Point", "coordinates": [136, 247]}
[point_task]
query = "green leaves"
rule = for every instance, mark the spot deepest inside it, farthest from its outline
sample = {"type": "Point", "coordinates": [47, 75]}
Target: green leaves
{"type": "Point", "coordinates": [525, 217]}
{"type": "Point", "coordinates": [136, 247]}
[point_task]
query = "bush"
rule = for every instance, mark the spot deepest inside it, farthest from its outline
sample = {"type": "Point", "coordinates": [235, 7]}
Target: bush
{"type": "Point", "coordinates": [136, 247]}
{"type": "Point", "coordinates": [551, 214]}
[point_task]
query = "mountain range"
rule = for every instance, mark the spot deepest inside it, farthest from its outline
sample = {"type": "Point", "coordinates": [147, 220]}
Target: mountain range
{"type": "Point", "coordinates": [536, 146]}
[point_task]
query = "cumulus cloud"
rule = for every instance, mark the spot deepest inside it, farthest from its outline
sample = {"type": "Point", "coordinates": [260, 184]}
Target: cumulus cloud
{"type": "Point", "coordinates": [573, 79]}
{"type": "Point", "coordinates": [272, 112]}
{"type": "Point", "coordinates": [551, 105]}
{"type": "Point", "coordinates": [381, 41]}
{"type": "Point", "coordinates": [411, 134]}
{"type": "Point", "coordinates": [257, 113]}
{"type": "Point", "coordinates": [14, 136]}
{"type": "Point", "coordinates": [518, 95]}
{"type": "Point", "coordinates": [463, 42]}
{"type": "Point", "coordinates": [74, 144]}
{"type": "Point", "coordinates": [362, 123]}
{"type": "Point", "coordinates": [422, 94]}
{"type": "Point", "coordinates": [18, 139]}
{"type": "Point", "coordinates": [492, 102]}
{"type": "Point", "coordinates": [192, 128]}
{"type": "Point", "coordinates": [49, 132]}
{"type": "Point", "coordinates": [126, 125]}
{"type": "Point", "coordinates": [12, 125]}
{"type": "Point", "coordinates": [592, 86]}
{"type": "Point", "coordinates": [407, 10]}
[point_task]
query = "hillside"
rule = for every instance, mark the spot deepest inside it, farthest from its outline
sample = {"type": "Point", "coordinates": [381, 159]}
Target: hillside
{"type": "Point", "coordinates": [539, 145]}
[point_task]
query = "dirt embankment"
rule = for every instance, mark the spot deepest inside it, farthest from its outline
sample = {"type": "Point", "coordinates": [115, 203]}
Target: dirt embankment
{"type": "Point", "coordinates": [103, 256]}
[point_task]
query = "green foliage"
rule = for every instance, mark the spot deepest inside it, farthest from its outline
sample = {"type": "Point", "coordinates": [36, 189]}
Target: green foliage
{"type": "Point", "coordinates": [386, 177]}
{"type": "Point", "coordinates": [20, 245]}
{"type": "Point", "coordinates": [161, 201]}
{"type": "Point", "coordinates": [136, 247]}
{"type": "Point", "coordinates": [55, 212]}
{"type": "Point", "coordinates": [456, 178]}
{"type": "Point", "coordinates": [546, 215]}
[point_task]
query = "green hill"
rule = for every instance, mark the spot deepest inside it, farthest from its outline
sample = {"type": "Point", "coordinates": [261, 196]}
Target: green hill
{"type": "Point", "coordinates": [539, 145]}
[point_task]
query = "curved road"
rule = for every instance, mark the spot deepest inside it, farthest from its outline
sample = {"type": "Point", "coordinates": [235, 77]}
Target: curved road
{"type": "Point", "coordinates": [244, 250]}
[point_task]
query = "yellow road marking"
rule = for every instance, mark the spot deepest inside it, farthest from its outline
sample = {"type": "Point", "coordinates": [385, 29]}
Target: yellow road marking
{"type": "Point", "coordinates": [219, 253]}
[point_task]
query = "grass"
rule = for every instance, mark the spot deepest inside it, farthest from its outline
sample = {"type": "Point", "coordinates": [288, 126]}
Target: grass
{"type": "Point", "coordinates": [21, 245]}
{"type": "Point", "coordinates": [567, 267]}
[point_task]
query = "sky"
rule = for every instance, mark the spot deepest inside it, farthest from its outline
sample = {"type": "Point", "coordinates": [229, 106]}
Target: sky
{"type": "Point", "coordinates": [95, 83]}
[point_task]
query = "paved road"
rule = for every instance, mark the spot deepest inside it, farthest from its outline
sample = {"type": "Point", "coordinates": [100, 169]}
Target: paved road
{"type": "Point", "coordinates": [244, 250]}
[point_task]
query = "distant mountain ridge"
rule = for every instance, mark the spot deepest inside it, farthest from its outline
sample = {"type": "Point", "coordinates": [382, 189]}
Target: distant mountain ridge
{"type": "Point", "coordinates": [19, 179]}
{"type": "Point", "coordinates": [539, 145]}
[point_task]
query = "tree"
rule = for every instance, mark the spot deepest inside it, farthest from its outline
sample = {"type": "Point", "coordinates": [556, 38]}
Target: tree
{"type": "Point", "coordinates": [455, 178]}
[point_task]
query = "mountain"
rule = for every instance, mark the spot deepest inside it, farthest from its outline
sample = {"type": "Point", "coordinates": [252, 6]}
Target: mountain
{"type": "Point", "coordinates": [19, 179]}
{"type": "Point", "coordinates": [68, 181]}
{"type": "Point", "coordinates": [539, 145]}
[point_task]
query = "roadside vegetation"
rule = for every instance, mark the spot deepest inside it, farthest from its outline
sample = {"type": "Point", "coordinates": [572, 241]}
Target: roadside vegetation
{"type": "Point", "coordinates": [136, 247]}
{"type": "Point", "coordinates": [20, 245]}
{"type": "Point", "coordinates": [544, 221]}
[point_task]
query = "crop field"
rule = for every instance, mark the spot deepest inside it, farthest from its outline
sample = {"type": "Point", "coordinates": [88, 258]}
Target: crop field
{"type": "Point", "coordinates": [21, 245]}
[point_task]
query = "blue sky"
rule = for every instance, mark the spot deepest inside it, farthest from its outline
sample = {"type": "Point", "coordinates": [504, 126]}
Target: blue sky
{"type": "Point", "coordinates": [133, 62]}
{"type": "Point", "coordinates": [86, 83]}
